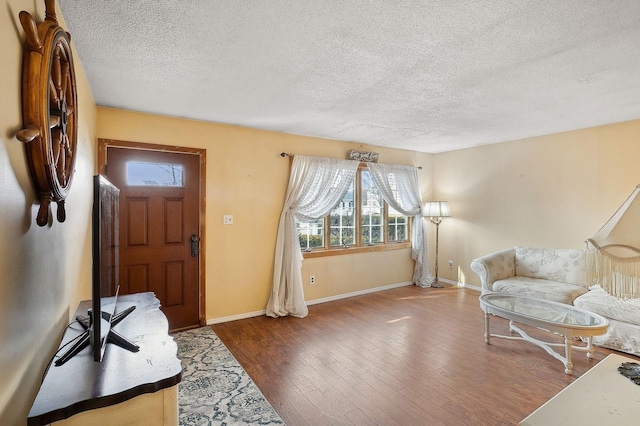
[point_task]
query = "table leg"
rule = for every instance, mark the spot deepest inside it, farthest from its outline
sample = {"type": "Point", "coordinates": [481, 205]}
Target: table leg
{"type": "Point", "coordinates": [487, 335]}
{"type": "Point", "coordinates": [568, 347]}
{"type": "Point", "coordinates": [590, 347]}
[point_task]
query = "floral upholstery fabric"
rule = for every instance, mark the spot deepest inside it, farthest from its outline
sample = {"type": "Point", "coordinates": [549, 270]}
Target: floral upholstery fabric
{"type": "Point", "coordinates": [561, 265]}
{"type": "Point", "coordinates": [494, 267]}
{"type": "Point", "coordinates": [620, 336]}
{"type": "Point", "coordinates": [600, 302]}
{"type": "Point", "coordinates": [539, 288]}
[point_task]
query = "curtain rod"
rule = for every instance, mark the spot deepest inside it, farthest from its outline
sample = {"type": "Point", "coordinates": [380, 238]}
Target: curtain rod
{"type": "Point", "coordinates": [286, 154]}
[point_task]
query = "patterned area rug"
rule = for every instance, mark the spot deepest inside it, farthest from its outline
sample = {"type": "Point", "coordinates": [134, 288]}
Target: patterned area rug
{"type": "Point", "coordinates": [215, 389]}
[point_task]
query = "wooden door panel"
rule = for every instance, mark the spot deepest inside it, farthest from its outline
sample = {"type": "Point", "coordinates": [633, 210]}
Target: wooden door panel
{"type": "Point", "coordinates": [136, 221]}
{"type": "Point", "coordinates": [156, 227]}
{"type": "Point", "coordinates": [174, 217]}
{"type": "Point", "coordinates": [137, 279]}
{"type": "Point", "coordinates": [174, 273]}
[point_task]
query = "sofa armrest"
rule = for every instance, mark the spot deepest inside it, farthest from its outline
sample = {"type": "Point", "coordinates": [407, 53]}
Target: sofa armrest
{"type": "Point", "coordinates": [494, 266]}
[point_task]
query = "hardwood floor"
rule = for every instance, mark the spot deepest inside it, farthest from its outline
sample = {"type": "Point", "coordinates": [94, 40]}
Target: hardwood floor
{"type": "Point", "coordinates": [407, 356]}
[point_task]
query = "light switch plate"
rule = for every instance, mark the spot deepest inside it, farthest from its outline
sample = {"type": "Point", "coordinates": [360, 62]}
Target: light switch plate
{"type": "Point", "coordinates": [227, 219]}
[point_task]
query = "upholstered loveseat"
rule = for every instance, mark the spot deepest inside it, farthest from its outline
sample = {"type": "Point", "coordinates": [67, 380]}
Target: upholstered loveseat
{"type": "Point", "coordinates": [560, 275]}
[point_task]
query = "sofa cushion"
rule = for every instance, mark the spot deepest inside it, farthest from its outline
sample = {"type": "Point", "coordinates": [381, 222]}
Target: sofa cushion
{"type": "Point", "coordinates": [561, 265]}
{"type": "Point", "coordinates": [542, 289]}
{"type": "Point", "coordinates": [598, 301]}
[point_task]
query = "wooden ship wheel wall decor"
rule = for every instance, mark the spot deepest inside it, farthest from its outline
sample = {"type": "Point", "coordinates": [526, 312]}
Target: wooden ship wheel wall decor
{"type": "Point", "coordinates": [49, 110]}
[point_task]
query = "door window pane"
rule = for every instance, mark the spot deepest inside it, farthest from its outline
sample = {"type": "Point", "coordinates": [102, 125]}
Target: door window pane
{"type": "Point", "coordinates": [154, 174]}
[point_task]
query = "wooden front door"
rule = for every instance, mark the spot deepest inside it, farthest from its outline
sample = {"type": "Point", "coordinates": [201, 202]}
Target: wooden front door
{"type": "Point", "coordinates": [159, 228]}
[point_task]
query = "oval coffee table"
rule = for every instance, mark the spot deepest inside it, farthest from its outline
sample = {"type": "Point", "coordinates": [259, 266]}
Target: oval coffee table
{"type": "Point", "coordinates": [554, 317]}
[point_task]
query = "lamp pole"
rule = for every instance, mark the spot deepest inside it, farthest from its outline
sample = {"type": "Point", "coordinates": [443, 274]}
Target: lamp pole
{"type": "Point", "coordinates": [436, 221]}
{"type": "Point", "coordinates": [435, 211]}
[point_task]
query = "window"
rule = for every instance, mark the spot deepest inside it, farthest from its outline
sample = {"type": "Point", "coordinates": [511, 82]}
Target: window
{"type": "Point", "coordinates": [311, 234]}
{"type": "Point", "coordinates": [397, 221]}
{"type": "Point", "coordinates": [154, 174]}
{"type": "Point", "coordinates": [359, 220]}
{"type": "Point", "coordinates": [371, 211]}
{"type": "Point", "coordinates": [342, 223]}
{"type": "Point", "coordinates": [397, 225]}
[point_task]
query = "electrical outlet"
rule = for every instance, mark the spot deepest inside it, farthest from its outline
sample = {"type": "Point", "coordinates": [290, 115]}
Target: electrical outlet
{"type": "Point", "coordinates": [312, 279]}
{"type": "Point", "coordinates": [227, 219]}
{"type": "Point", "coordinates": [451, 264]}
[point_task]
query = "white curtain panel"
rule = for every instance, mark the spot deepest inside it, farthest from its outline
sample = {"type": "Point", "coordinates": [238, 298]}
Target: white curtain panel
{"type": "Point", "coordinates": [400, 188]}
{"type": "Point", "coordinates": [316, 186]}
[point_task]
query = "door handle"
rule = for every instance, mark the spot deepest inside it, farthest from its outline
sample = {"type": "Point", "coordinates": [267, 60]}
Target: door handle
{"type": "Point", "coordinates": [194, 245]}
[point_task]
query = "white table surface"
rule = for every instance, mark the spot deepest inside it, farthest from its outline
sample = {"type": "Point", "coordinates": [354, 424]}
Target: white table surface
{"type": "Point", "coordinates": [601, 396]}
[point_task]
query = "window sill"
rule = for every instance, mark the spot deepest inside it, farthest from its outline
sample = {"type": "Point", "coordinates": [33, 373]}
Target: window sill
{"type": "Point", "coordinates": [355, 249]}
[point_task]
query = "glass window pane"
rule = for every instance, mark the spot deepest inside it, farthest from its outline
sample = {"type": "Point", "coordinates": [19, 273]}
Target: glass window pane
{"type": "Point", "coordinates": [311, 234]}
{"type": "Point", "coordinates": [398, 226]}
{"type": "Point", "coordinates": [342, 220]}
{"type": "Point", "coordinates": [370, 210]}
{"type": "Point", "coordinates": [154, 174]}
{"type": "Point", "coordinates": [374, 214]}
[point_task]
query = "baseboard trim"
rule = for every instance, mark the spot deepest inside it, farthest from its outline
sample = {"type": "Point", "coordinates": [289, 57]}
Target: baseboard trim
{"type": "Point", "coordinates": [461, 285]}
{"type": "Point", "coordinates": [212, 321]}
{"type": "Point", "coordinates": [357, 293]}
{"type": "Point", "coordinates": [472, 287]}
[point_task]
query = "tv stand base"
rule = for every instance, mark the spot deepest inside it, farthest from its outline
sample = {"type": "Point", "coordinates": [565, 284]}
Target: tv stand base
{"type": "Point", "coordinates": [85, 338]}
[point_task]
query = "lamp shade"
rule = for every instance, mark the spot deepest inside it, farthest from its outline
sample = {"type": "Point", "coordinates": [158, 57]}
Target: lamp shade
{"type": "Point", "coordinates": [436, 209]}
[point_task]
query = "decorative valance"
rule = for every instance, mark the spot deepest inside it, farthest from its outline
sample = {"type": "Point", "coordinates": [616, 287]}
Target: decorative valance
{"type": "Point", "coordinates": [613, 256]}
{"type": "Point", "coordinates": [617, 275]}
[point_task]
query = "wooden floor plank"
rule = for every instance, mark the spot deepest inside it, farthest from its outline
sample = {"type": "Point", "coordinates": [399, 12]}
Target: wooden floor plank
{"type": "Point", "coordinates": [403, 356]}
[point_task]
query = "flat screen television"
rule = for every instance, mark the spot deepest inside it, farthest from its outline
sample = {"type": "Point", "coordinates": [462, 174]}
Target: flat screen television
{"type": "Point", "coordinates": [98, 329]}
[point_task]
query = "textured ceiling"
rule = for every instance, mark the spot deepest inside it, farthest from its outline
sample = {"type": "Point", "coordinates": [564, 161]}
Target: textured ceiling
{"type": "Point", "coordinates": [429, 76]}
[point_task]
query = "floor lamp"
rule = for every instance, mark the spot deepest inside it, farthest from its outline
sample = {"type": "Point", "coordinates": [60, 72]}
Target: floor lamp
{"type": "Point", "coordinates": [435, 211]}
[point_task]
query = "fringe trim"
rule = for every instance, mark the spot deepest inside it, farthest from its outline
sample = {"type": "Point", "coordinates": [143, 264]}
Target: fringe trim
{"type": "Point", "coordinates": [618, 276]}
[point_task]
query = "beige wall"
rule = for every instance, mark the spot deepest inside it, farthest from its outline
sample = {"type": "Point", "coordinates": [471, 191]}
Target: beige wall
{"type": "Point", "coordinates": [247, 178]}
{"type": "Point", "coordinates": [44, 271]}
{"type": "Point", "coordinates": [552, 191]}
{"type": "Point", "coordinates": [548, 191]}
